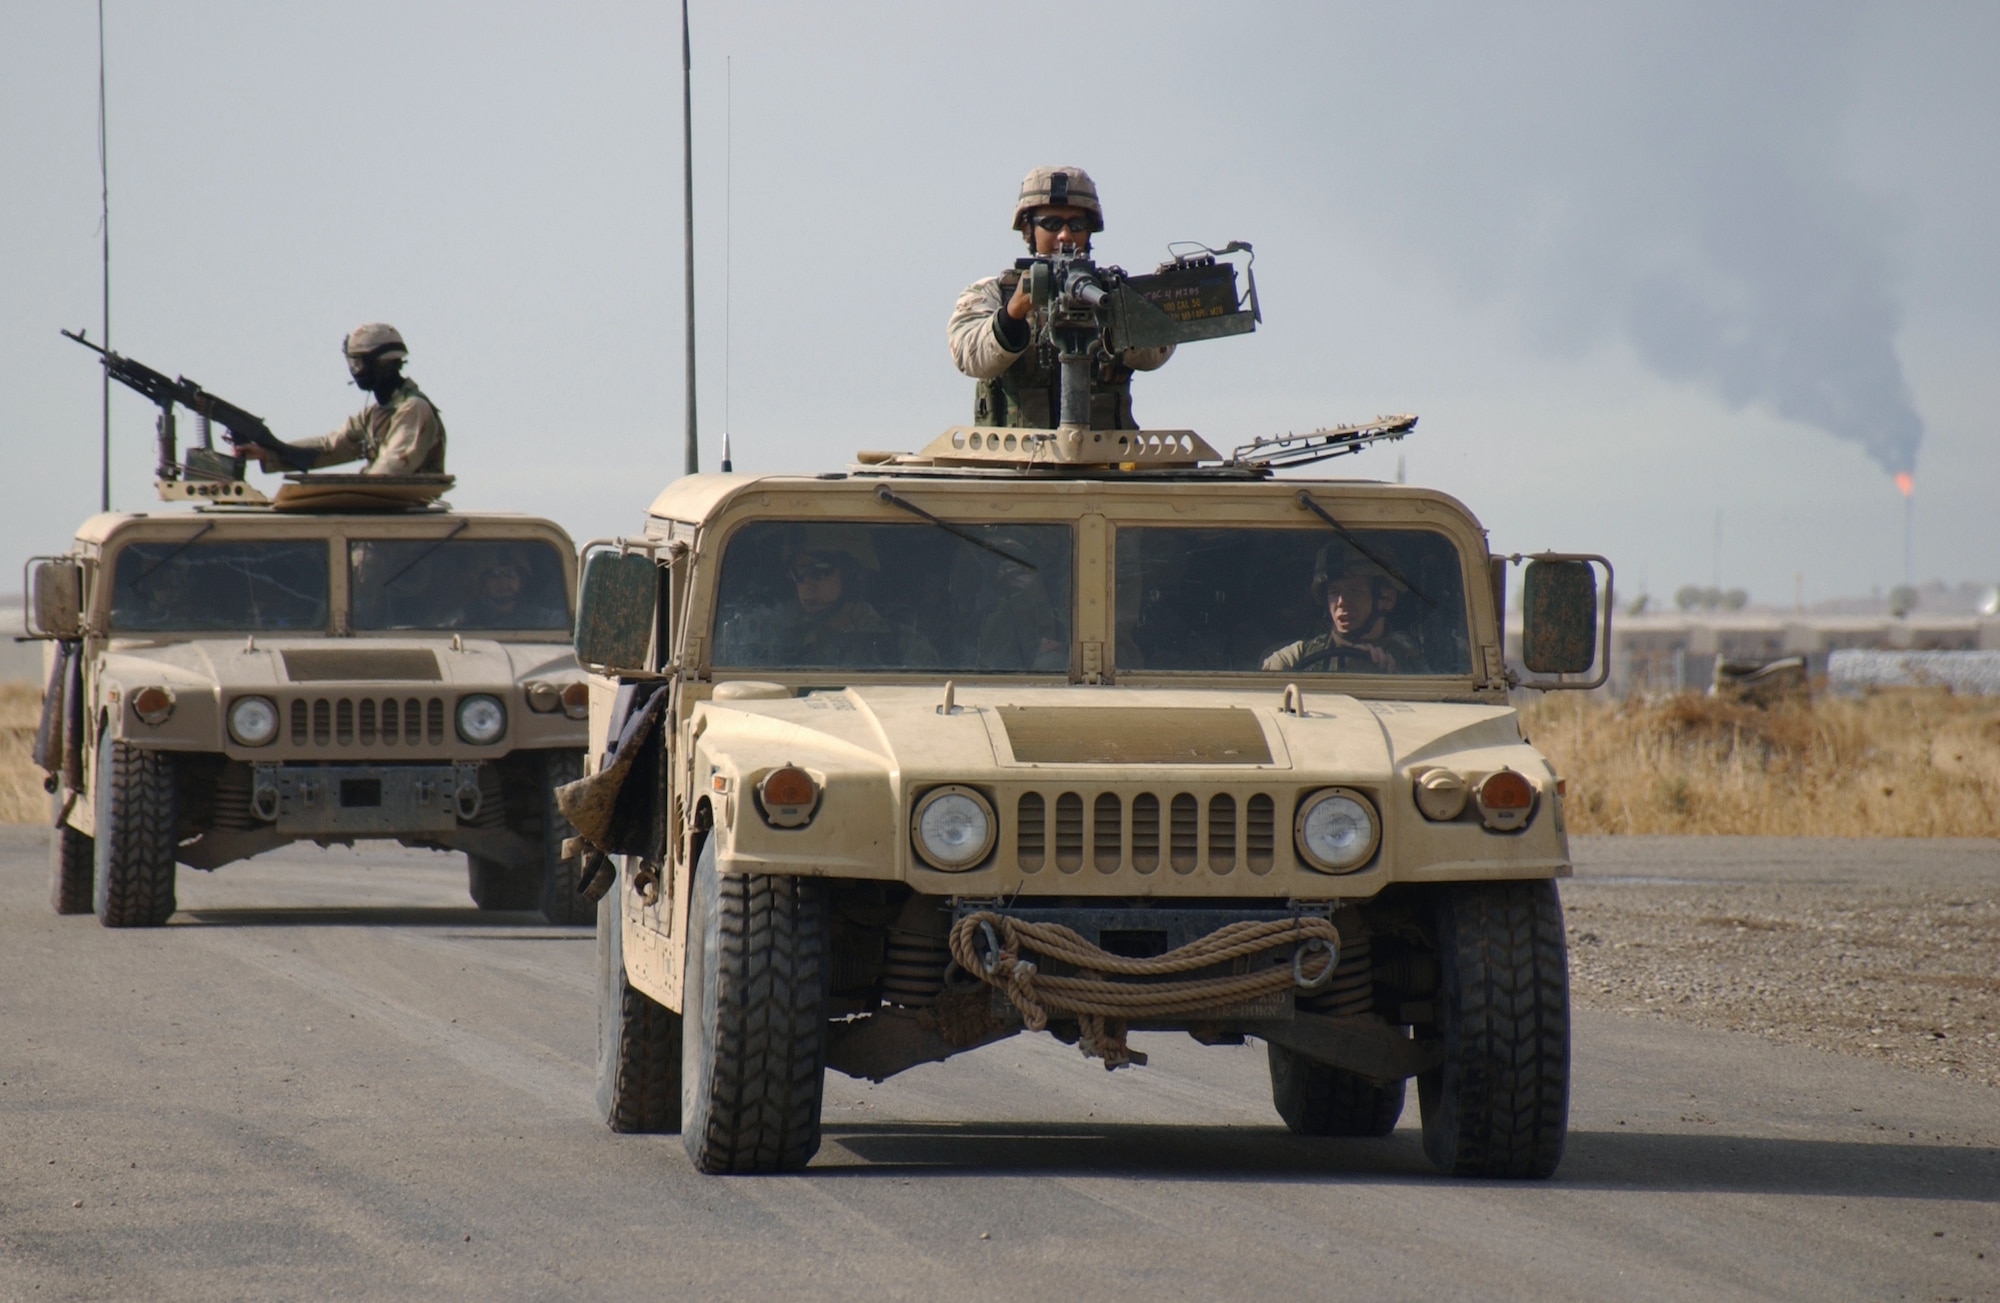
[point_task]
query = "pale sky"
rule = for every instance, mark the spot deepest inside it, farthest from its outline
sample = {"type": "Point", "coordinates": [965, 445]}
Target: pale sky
{"type": "Point", "coordinates": [1637, 268]}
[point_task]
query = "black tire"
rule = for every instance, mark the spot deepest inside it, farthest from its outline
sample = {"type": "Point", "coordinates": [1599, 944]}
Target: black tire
{"type": "Point", "coordinates": [638, 1040]}
{"type": "Point", "coordinates": [72, 864]}
{"type": "Point", "coordinates": [1317, 1100]}
{"type": "Point", "coordinates": [561, 902]}
{"type": "Point", "coordinates": [1499, 1104]}
{"type": "Point", "coordinates": [135, 836]}
{"type": "Point", "coordinates": [753, 1059]}
{"type": "Point", "coordinates": [501, 887]}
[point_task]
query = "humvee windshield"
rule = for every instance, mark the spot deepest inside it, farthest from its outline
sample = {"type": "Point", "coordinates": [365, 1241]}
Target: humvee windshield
{"type": "Point", "coordinates": [837, 595]}
{"type": "Point", "coordinates": [452, 583]}
{"type": "Point", "coordinates": [1259, 599]}
{"type": "Point", "coordinates": [194, 585]}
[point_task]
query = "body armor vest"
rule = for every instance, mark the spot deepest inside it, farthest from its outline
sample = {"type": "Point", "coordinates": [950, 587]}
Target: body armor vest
{"type": "Point", "coordinates": [1029, 393]}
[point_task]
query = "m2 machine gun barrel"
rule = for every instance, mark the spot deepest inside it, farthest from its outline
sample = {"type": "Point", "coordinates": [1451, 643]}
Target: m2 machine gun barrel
{"type": "Point", "coordinates": [1084, 307]}
{"type": "Point", "coordinates": [203, 462]}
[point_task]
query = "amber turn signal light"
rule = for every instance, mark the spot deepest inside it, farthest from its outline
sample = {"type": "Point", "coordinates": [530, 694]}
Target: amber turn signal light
{"type": "Point", "coordinates": [1507, 790]}
{"type": "Point", "coordinates": [576, 700]}
{"type": "Point", "coordinates": [788, 795]}
{"type": "Point", "coordinates": [153, 705]}
{"type": "Point", "coordinates": [1506, 800]}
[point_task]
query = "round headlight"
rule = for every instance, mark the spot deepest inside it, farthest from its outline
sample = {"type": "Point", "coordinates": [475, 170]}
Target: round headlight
{"type": "Point", "coordinates": [253, 721]}
{"type": "Point", "coordinates": [953, 828]}
{"type": "Point", "coordinates": [481, 719]}
{"type": "Point", "coordinates": [1336, 830]}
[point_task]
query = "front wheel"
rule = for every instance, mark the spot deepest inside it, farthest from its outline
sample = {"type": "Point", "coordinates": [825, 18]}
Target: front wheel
{"type": "Point", "coordinates": [753, 1057]}
{"type": "Point", "coordinates": [135, 836]}
{"type": "Point", "coordinates": [638, 1039]}
{"type": "Point", "coordinates": [72, 863]}
{"type": "Point", "coordinates": [1499, 1103]}
{"type": "Point", "coordinates": [561, 902]}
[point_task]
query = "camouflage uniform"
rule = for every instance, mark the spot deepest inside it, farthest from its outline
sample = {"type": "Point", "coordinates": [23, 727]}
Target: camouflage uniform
{"type": "Point", "coordinates": [400, 437]}
{"type": "Point", "coordinates": [1400, 655]}
{"type": "Point", "coordinates": [1020, 383]}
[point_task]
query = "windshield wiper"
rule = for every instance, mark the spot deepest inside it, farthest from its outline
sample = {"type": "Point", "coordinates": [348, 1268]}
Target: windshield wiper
{"type": "Point", "coordinates": [425, 554]}
{"type": "Point", "coordinates": [1305, 500]}
{"type": "Point", "coordinates": [147, 573]}
{"type": "Point", "coordinates": [882, 492]}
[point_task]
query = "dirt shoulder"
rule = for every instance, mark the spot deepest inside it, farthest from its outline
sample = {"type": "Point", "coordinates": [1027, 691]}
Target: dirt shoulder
{"type": "Point", "coordinates": [1873, 947]}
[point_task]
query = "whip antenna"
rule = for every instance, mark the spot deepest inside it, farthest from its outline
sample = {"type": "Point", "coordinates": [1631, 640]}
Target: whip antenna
{"type": "Point", "coordinates": [687, 193]}
{"type": "Point", "coordinates": [728, 230]}
{"type": "Point", "coordinates": [104, 229]}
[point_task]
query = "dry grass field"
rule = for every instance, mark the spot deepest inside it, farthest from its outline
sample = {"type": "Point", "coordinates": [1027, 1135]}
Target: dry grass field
{"type": "Point", "coordinates": [1894, 764]}
{"type": "Point", "coordinates": [21, 797]}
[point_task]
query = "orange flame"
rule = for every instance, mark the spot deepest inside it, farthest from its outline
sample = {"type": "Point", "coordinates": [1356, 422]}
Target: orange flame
{"type": "Point", "coordinates": [1905, 483]}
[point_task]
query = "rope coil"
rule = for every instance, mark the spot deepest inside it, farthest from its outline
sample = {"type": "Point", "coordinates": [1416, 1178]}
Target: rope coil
{"type": "Point", "coordinates": [1103, 1006]}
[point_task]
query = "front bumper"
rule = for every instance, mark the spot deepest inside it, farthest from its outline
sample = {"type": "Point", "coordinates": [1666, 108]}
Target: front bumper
{"type": "Point", "coordinates": [365, 800]}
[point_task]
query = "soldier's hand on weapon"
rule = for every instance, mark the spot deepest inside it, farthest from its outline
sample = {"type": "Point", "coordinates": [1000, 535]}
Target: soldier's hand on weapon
{"type": "Point", "coordinates": [1021, 304]}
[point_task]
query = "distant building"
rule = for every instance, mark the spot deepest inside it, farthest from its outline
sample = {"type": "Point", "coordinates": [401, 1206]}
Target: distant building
{"type": "Point", "coordinates": [1671, 651]}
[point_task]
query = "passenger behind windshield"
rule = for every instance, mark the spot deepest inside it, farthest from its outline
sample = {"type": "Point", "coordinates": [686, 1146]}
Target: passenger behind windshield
{"type": "Point", "coordinates": [194, 586]}
{"type": "Point", "coordinates": [1290, 601]}
{"type": "Point", "coordinates": [431, 584]}
{"type": "Point", "coordinates": [836, 595]}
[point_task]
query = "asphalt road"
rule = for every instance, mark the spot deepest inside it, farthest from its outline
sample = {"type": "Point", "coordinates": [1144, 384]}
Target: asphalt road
{"type": "Point", "coordinates": [331, 1077]}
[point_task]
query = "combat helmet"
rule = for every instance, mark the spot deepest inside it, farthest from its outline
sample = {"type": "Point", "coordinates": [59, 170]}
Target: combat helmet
{"type": "Point", "coordinates": [1058, 186]}
{"type": "Point", "coordinates": [377, 339]}
{"type": "Point", "coordinates": [1339, 560]}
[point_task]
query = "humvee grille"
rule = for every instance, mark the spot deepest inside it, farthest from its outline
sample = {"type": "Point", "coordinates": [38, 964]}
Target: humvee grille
{"type": "Point", "coordinates": [367, 721]}
{"type": "Point", "coordinates": [1220, 834]}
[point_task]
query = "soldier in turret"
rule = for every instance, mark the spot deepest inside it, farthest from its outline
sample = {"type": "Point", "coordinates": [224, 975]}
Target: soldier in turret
{"type": "Point", "coordinates": [397, 434]}
{"type": "Point", "coordinates": [990, 331]}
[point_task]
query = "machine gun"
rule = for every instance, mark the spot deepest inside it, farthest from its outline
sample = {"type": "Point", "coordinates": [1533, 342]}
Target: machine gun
{"type": "Point", "coordinates": [1190, 297]}
{"type": "Point", "coordinates": [203, 462]}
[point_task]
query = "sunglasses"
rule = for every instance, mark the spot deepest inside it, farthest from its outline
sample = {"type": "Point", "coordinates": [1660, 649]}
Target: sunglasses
{"type": "Point", "coordinates": [814, 573]}
{"type": "Point", "coordinates": [1074, 225]}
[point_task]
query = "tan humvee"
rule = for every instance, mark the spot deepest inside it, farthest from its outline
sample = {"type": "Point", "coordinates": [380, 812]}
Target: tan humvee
{"type": "Point", "coordinates": [230, 679]}
{"type": "Point", "coordinates": [902, 761]}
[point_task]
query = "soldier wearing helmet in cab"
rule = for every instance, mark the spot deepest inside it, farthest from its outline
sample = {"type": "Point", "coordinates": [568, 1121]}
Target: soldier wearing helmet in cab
{"type": "Point", "coordinates": [1360, 598]}
{"type": "Point", "coordinates": [991, 331]}
{"type": "Point", "coordinates": [397, 434]}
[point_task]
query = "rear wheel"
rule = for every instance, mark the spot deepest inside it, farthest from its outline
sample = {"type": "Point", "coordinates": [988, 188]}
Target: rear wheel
{"type": "Point", "coordinates": [561, 902]}
{"type": "Point", "coordinates": [753, 1062]}
{"type": "Point", "coordinates": [72, 864]}
{"type": "Point", "coordinates": [638, 1039]}
{"type": "Point", "coordinates": [135, 841]}
{"type": "Point", "coordinates": [1317, 1100]}
{"type": "Point", "coordinates": [1499, 1103]}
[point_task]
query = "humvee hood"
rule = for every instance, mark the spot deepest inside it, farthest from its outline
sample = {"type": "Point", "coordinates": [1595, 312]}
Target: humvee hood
{"type": "Point", "coordinates": [238, 664]}
{"type": "Point", "coordinates": [1008, 729]}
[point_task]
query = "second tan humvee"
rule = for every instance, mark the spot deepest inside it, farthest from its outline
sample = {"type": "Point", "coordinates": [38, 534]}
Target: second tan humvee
{"type": "Point", "coordinates": [231, 679]}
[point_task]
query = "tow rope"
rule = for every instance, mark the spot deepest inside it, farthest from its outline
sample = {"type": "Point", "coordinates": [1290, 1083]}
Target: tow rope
{"type": "Point", "coordinates": [988, 945]}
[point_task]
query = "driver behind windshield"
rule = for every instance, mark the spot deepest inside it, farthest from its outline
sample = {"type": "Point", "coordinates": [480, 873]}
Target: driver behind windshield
{"type": "Point", "coordinates": [828, 622]}
{"type": "Point", "coordinates": [1360, 599]}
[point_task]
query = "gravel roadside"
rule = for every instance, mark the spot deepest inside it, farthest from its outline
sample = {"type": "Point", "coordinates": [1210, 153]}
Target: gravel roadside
{"type": "Point", "coordinates": [1882, 949]}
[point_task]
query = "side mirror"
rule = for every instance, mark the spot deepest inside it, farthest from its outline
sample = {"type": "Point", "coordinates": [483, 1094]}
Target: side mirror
{"type": "Point", "coordinates": [1560, 624]}
{"type": "Point", "coordinates": [55, 599]}
{"type": "Point", "coordinates": [615, 611]}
